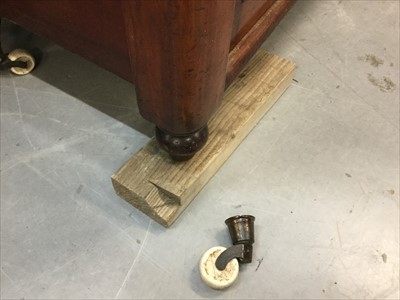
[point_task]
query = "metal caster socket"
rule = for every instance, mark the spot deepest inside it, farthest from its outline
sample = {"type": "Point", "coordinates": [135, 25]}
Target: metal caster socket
{"type": "Point", "coordinates": [219, 267]}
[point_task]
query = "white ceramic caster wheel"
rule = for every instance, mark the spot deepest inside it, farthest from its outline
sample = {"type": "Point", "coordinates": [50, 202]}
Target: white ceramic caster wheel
{"type": "Point", "coordinates": [22, 55]}
{"type": "Point", "coordinates": [213, 277]}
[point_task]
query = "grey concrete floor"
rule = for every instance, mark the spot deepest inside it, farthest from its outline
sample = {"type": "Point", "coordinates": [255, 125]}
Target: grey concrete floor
{"type": "Point", "coordinates": [320, 173]}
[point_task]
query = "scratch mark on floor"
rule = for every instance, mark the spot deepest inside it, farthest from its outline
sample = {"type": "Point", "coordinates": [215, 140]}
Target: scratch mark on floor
{"type": "Point", "coordinates": [259, 263]}
{"type": "Point", "coordinates": [339, 236]}
{"type": "Point", "coordinates": [155, 262]}
{"type": "Point", "coordinates": [362, 189]}
{"type": "Point", "coordinates": [134, 261]}
{"type": "Point", "coordinates": [21, 116]}
{"type": "Point", "coordinates": [11, 166]}
{"type": "Point", "coordinates": [308, 89]}
{"type": "Point", "coordinates": [44, 177]}
{"type": "Point", "coordinates": [11, 280]}
{"type": "Point", "coordinates": [253, 169]}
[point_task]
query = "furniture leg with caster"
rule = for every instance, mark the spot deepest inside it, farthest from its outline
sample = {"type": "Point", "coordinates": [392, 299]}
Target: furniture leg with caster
{"type": "Point", "coordinates": [18, 61]}
{"type": "Point", "coordinates": [182, 57]}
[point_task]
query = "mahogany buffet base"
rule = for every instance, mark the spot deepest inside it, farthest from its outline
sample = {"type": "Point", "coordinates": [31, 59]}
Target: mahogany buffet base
{"type": "Point", "coordinates": [181, 55]}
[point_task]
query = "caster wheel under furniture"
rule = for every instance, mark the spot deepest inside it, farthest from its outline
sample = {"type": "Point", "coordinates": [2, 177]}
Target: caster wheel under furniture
{"type": "Point", "coordinates": [26, 60]}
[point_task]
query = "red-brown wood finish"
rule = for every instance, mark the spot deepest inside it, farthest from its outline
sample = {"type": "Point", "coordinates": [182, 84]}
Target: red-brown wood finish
{"type": "Point", "coordinates": [94, 29]}
{"type": "Point", "coordinates": [181, 50]}
{"type": "Point", "coordinates": [181, 54]}
{"type": "Point", "coordinates": [252, 40]}
{"type": "Point", "coordinates": [247, 13]}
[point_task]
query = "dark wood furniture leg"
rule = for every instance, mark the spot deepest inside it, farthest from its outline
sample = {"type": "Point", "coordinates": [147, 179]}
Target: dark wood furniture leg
{"type": "Point", "coordinates": [179, 52]}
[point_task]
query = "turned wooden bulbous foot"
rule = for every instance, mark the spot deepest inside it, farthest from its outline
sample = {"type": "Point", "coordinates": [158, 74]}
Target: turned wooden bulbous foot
{"type": "Point", "coordinates": [183, 146]}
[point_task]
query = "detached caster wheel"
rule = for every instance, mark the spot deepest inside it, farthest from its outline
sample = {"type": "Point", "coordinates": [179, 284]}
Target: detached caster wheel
{"type": "Point", "coordinates": [22, 56]}
{"type": "Point", "coordinates": [219, 267]}
{"type": "Point", "coordinates": [210, 274]}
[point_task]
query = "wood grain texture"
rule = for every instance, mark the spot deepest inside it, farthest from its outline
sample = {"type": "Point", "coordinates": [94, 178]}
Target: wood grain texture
{"type": "Point", "coordinates": [162, 188]}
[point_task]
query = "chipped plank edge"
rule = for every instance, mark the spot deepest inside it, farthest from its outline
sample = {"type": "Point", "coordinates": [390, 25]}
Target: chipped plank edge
{"type": "Point", "coordinates": [167, 216]}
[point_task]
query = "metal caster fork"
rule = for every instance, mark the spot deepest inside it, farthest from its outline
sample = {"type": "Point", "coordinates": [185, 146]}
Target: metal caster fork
{"type": "Point", "coordinates": [219, 267]}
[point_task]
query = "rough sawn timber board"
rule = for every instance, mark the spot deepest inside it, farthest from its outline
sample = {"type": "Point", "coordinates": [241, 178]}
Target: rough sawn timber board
{"type": "Point", "coordinates": [162, 188]}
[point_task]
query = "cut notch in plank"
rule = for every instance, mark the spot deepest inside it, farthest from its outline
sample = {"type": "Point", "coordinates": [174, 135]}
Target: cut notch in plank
{"type": "Point", "coordinates": [162, 188]}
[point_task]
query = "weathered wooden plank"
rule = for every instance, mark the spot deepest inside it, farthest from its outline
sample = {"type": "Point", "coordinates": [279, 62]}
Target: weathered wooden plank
{"type": "Point", "coordinates": [162, 188]}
